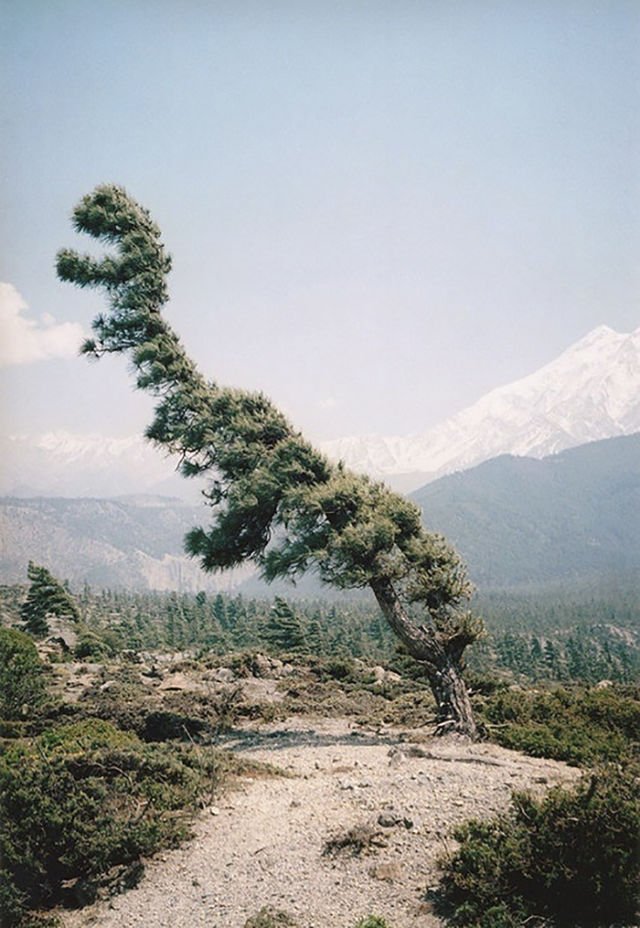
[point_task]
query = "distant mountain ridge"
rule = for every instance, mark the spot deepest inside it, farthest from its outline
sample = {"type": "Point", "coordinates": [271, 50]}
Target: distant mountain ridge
{"type": "Point", "coordinates": [590, 392]}
{"type": "Point", "coordinates": [131, 543]}
{"type": "Point", "coordinates": [59, 463]}
{"type": "Point", "coordinates": [516, 522]}
{"type": "Point", "coordinates": [520, 521]}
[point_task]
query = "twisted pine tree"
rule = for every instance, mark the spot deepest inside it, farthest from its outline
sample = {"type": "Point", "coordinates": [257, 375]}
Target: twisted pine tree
{"type": "Point", "coordinates": [276, 501]}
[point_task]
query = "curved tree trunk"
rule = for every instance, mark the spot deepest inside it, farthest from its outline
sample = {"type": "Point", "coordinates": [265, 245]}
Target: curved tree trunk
{"type": "Point", "coordinates": [442, 667]}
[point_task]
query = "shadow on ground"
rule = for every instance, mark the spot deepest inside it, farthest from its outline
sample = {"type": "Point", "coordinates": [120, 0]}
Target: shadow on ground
{"type": "Point", "coordinates": [243, 740]}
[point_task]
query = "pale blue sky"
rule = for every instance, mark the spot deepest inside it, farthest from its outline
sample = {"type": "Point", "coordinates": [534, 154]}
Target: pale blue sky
{"type": "Point", "coordinates": [377, 210]}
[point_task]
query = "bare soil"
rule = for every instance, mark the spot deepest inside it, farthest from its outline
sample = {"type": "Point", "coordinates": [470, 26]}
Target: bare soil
{"type": "Point", "coordinates": [384, 803]}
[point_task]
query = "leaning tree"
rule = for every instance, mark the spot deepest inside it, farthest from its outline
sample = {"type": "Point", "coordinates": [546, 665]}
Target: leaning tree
{"type": "Point", "coordinates": [46, 597]}
{"type": "Point", "coordinates": [276, 501]}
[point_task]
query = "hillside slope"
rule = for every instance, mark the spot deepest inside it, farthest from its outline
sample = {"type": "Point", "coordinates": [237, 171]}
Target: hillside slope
{"type": "Point", "coordinates": [134, 542]}
{"type": "Point", "coordinates": [265, 846]}
{"type": "Point", "coordinates": [572, 516]}
{"type": "Point", "coordinates": [517, 520]}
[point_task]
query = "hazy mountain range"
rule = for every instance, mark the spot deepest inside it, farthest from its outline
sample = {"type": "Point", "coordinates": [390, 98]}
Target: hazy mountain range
{"type": "Point", "coordinates": [60, 463]}
{"type": "Point", "coordinates": [592, 391]}
{"type": "Point", "coordinates": [516, 522]}
{"type": "Point", "coordinates": [525, 515]}
{"type": "Point", "coordinates": [521, 521]}
{"type": "Point", "coordinates": [134, 542]}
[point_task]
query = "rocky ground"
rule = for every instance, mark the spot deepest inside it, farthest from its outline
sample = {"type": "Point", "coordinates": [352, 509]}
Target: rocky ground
{"type": "Point", "coordinates": [355, 827]}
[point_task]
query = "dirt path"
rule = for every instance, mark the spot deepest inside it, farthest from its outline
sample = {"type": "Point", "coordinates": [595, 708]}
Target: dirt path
{"type": "Point", "coordinates": [263, 845]}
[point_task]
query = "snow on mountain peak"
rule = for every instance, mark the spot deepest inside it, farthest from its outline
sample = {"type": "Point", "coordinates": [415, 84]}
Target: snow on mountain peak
{"type": "Point", "coordinates": [591, 391]}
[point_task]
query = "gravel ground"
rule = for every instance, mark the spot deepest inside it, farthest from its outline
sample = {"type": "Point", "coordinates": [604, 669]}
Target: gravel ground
{"type": "Point", "coordinates": [263, 845]}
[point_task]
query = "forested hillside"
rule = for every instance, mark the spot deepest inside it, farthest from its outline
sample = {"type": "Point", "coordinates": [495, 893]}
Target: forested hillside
{"type": "Point", "coordinates": [571, 635]}
{"type": "Point", "coordinates": [518, 521]}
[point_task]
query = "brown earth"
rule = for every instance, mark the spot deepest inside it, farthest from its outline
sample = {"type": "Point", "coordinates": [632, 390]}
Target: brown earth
{"type": "Point", "coordinates": [385, 803]}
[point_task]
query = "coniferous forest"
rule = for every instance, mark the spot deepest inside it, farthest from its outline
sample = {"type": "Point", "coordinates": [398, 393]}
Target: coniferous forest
{"type": "Point", "coordinates": [570, 636]}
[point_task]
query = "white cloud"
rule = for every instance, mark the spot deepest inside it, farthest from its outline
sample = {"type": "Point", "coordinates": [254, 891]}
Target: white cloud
{"type": "Point", "coordinates": [24, 340]}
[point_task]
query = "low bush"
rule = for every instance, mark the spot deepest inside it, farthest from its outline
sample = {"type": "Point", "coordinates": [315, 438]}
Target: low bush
{"type": "Point", "coordinates": [22, 687]}
{"type": "Point", "coordinates": [268, 917]}
{"type": "Point", "coordinates": [580, 726]}
{"type": "Point", "coordinates": [372, 921]}
{"type": "Point", "coordinates": [162, 725]}
{"type": "Point", "coordinates": [83, 802]}
{"type": "Point", "coordinates": [93, 646]}
{"type": "Point", "coordinates": [568, 860]}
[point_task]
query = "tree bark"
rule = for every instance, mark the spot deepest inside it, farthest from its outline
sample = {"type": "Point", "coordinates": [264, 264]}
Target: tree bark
{"type": "Point", "coordinates": [443, 669]}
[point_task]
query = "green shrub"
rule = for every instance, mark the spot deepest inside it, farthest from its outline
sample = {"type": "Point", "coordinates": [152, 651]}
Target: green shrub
{"type": "Point", "coordinates": [22, 688]}
{"type": "Point", "coordinates": [92, 646]}
{"type": "Point", "coordinates": [268, 917]}
{"type": "Point", "coordinates": [580, 726]}
{"type": "Point", "coordinates": [81, 800]}
{"type": "Point", "coordinates": [372, 921]}
{"type": "Point", "coordinates": [162, 725]}
{"type": "Point", "coordinates": [571, 858]}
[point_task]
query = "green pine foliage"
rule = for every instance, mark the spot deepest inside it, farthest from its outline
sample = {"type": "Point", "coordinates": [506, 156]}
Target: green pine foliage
{"type": "Point", "coordinates": [578, 725]}
{"type": "Point", "coordinates": [283, 630]}
{"type": "Point", "coordinates": [574, 639]}
{"type": "Point", "coordinates": [569, 860]}
{"type": "Point", "coordinates": [46, 597]}
{"type": "Point", "coordinates": [571, 633]}
{"type": "Point", "coordinates": [22, 687]}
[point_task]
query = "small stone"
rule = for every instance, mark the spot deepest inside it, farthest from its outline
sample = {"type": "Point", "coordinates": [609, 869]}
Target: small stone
{"type": "Point", "coordinates": [177, 682]}
{"type": "Point", "coordinates": [387, 872]}
{"type": "Point", "coordinates": [389, 819]}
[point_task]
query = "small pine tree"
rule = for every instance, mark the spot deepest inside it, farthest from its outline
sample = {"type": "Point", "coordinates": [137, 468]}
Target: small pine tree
{"type": "Point", "coordinates": [22, 689]}
{"type": "Point", "coordinates": [46, 597]}
{"type": "Point", "coordinates": [315, 637]}
{"type": "Point", "coordinates": [283, 631]}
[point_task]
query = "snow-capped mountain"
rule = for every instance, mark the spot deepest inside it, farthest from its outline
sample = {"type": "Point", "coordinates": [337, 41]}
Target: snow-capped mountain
{"type": "Point", "coordinates": [590, 392]}
{"type": "Point", "coordinates": [63, 464]}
